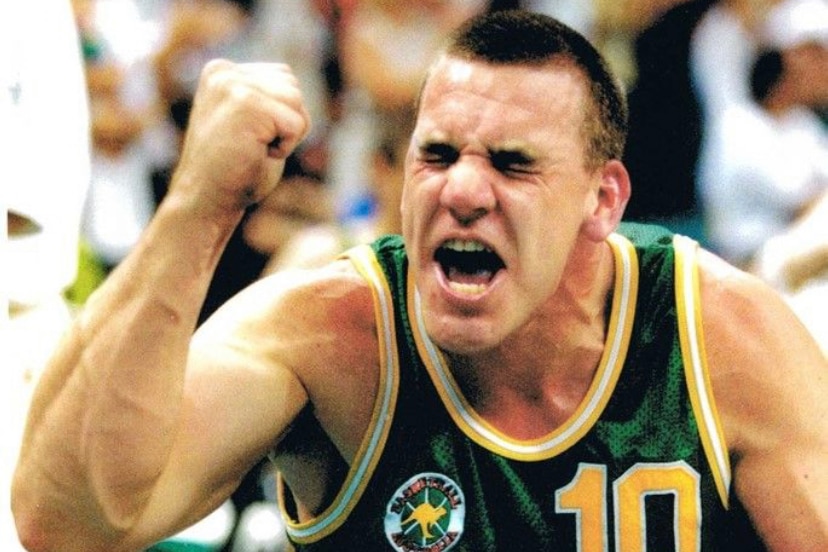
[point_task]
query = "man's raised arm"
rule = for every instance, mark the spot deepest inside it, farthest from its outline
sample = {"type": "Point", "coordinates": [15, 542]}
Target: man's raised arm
{"type": "Point", "coordinates": [105, 422]}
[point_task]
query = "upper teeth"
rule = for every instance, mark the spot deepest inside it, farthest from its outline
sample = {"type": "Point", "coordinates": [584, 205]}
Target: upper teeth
{"type": "Point", "coordinates": [465, 245]}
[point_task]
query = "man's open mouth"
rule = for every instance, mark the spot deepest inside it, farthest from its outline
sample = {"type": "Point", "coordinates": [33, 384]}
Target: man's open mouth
{"type": "Point", "coordinates": [469, 266]}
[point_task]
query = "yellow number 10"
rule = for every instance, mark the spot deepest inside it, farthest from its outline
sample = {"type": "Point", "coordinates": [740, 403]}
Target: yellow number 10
{"type": "Point", "coordinates": [585, 496]}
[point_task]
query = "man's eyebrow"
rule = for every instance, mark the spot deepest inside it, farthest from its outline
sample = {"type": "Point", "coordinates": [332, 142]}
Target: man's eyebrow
{"type": "Point", "coordinates": [512, 156]}
{"type": "Point", "coordinates": [432, 138]}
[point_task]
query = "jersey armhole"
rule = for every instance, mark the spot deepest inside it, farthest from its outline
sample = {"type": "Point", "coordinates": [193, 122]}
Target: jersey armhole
{"type": "Point", "coordinates": [370, 450]}
{"type": "Point", "coordinates": [691, 336]}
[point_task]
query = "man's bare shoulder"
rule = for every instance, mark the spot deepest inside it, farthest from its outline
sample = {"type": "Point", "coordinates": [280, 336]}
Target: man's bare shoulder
{"type": "Point", "coordinates": [760, 356]}
{"type": "Point", "coordinates": [293, 310]}
{"type": "Point", "coordinates": [317, 324]}
{"type": "Point", "coordinates": [744, 315]}
{"type": "Point", "coordinates": [337, 283]}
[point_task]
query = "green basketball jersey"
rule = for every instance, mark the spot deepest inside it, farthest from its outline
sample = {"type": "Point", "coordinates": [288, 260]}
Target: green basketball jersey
{"type": "Point", "coordinates": [641, 464]}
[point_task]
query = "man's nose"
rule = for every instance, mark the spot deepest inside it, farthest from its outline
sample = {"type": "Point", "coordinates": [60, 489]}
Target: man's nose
{"type": "Point", "coordinates": [468, 192]}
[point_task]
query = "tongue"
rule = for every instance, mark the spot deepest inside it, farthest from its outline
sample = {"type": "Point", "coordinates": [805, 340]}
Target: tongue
{"type": "Point", "coordinates": [477, 278]}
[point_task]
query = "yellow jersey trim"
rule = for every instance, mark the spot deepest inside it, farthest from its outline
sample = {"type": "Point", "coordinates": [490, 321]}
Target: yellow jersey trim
{"type": "Point", "coordinates": [609, 369]}
{"type": "Point", "coordinates": [688, 305]}
{"type": "Point", "coordinates": [370, 450]}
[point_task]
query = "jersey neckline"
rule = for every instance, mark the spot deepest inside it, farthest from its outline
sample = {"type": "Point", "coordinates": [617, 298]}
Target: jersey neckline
{"type": "Point", "coordinates": [588, 411]}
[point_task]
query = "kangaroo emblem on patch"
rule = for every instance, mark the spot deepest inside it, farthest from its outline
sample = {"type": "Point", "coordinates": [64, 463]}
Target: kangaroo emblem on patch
{"type": "Point", "coordinates": [426, 513]}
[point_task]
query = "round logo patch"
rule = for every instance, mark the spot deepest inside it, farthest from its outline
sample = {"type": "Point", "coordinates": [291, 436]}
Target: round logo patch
{"type": "Point", "coordinates": [425, 514]}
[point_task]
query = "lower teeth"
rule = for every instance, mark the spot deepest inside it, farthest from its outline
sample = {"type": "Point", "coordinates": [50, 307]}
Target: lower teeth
{"type": "Point", "coordinates": [468, 289]}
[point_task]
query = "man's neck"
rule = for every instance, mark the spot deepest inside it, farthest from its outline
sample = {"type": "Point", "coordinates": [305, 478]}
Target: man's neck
{"type": "Point", "coordinates": [536, 379]}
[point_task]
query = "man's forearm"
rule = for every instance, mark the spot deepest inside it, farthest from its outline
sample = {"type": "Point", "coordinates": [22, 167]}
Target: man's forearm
{"type": "Point", "coordinates": [105, 413]}
{"type": "Point", "coordinates": [106, 418]}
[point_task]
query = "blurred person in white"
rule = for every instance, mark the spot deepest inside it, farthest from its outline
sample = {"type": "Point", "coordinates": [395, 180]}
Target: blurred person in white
{"type": "Point", "coordinates": [723, 46]}
{"type": "Point", "coordinates": [796, 263]}
{"type": "Point", "coordinates": [722, 49]}
{"type": "Point", "coordinates": [767, 158]}
{"type": "Point", "coordinates": [118, 38]}
{"type": "Point", "coordinates": [141, 55]}
{"type": "Point", "coordinates": [44, 140]}
{"type": "Point", "coordinates": [796, 260]}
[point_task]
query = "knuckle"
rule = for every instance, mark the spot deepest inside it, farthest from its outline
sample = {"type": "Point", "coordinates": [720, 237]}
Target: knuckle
{"type": "Point", "coordinates": [214, 67]}
{"type": "Point", "coordinates": [239, 92]}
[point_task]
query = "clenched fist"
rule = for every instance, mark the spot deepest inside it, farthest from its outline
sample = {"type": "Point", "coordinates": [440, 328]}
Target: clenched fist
{"type": "Point", "coordinates": [246, 119]}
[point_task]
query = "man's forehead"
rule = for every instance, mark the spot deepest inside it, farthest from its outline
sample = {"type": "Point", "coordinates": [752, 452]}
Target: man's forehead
{"type": "Point", "coordinates": [517, 83]}
{"type": "Point", "coordinates": [523, 108]}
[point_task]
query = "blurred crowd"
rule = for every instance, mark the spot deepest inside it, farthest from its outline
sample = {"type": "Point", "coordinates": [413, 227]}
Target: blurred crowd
{"type": "Point", "coordinates": [728, 141]}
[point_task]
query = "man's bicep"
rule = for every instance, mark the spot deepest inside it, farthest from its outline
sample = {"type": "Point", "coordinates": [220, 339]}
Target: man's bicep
{"type": "Point", "coordinates": [785, 491]}
{"type": "Point", "coordinates": [781, 474]}
{"type": "Point", "coordinates": [238, 402]}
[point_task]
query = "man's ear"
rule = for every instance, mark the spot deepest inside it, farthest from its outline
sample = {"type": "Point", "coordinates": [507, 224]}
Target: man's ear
{"type": "Point", "coordinates": [608, 201]}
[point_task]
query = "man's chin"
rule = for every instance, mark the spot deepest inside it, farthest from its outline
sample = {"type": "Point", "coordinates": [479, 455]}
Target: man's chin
{"type": "Point", "coordinates": [462, 337]}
